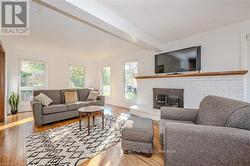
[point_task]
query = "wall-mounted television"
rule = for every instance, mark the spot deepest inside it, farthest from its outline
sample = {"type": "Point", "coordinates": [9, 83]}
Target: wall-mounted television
{"type": "Point", "coordinates": [187, 59]}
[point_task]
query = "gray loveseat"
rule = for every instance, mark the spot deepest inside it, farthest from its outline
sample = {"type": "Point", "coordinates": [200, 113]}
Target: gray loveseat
{"type": "Point", "coordinates": [215, 134]}
{"type": "Point", "coordinates": [59, 110]}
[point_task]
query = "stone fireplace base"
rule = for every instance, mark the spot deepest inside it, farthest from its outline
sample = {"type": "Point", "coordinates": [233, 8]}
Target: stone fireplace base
{"type": "Point", "coordinates": [145, 112]}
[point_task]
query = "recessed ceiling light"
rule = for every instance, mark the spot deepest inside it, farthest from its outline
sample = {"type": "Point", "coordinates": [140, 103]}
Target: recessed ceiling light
{"type": "Point", "coordinates": [134, 38]}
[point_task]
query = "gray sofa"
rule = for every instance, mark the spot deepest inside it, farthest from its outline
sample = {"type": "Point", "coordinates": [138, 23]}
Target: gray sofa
{"type": "Point", "coordinates": [59, 110]}
{"type": "Point", "coordinates": [215, 134]}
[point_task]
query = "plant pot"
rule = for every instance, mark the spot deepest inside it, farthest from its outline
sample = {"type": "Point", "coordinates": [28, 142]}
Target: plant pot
{"type": "Point", "coordinates": [14, 112]}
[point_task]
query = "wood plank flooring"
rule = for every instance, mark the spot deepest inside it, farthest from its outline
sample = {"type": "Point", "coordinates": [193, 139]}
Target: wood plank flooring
{"type": "Point", "coordinates": [17, 127]}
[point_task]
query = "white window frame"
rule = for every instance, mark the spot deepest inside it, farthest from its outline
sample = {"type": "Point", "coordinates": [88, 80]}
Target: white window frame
{"type": "Point", "coordinates": [30, 88]}
{"type": "Point", "coordinates": [69, 72]}
{"type": "Point", "coordinates": [124, 79]}
{"type": "Point", "coordinates": [110, 94]}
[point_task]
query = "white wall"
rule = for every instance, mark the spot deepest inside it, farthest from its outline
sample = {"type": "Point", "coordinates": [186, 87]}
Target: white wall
{"type": "Point", "coordinates": [144, 60]}
{"type": "Point", "coordinates": [58, 69]}
{"type": "Point", "coordinates": [246, 58]}
{"type": "Point", "coordinates": [221, 50]}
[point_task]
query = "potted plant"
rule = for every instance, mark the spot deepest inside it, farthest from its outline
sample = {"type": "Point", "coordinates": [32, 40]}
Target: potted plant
{"type": "Point", "coordinates": [14, 102]}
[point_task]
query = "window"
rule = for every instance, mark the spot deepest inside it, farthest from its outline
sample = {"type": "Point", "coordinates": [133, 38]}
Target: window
{"type": "Point", "coordinates": [106, 85]}
{"type": "Point", "coordinates": [77, 76]}
{"type": "Point", "coordinates": [130, 81]}
{"type": "Point", "coordinates": [32, 77]}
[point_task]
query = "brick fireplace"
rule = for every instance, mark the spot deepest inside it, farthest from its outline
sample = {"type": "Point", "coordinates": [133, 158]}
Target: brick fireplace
{"type": "Point", "coordinates": [195, 88]}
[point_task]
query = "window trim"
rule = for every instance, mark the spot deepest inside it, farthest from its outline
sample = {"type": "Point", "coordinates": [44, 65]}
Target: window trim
{"type": "Point", "coordinates": [110, 80]}
{"type": "Point", "coordinates": [124, 79]}
{"type": "Point", "coordinates": [77, 65]}
{"type": "Point", "coordinates": [19, 89]}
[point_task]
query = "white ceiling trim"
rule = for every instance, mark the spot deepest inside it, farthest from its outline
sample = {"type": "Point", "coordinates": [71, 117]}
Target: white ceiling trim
{"type": "Point", "coordinates": [95, 15]}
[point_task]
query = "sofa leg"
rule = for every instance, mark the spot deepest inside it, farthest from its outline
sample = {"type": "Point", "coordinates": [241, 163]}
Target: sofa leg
{"type": "Point", "coordinates": [147, 155]}
{"type": "Point", "coordinates": [39, 126]}
{"type": "Point", "coordinates": [125, 151]}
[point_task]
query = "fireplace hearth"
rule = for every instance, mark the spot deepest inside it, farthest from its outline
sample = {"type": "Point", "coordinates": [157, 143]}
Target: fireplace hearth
{"type": "Point", "coordinates": [163, 97]}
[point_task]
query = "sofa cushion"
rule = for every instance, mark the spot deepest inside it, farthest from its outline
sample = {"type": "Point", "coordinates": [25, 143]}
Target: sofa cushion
{"type": "Point", "coordinates": [55, 95]}
{"type": "Point", "coordinates": [93, 95]}
{"type": "Point", "coordinates": [44, 99]}
{"type": "Point", "coordinates": [76, 105]}
{"type": "Point", "coordinates": [215, 110]}
{"type": "Point", "coordinates": [163, 123]}
{"type": "Point", "coordinates": [60, 116]}
{"type": "Point", "coordinates": [83, 94]}
{"type": "Point", "coordinates": [54, 109]}
{"type": "Point", "coordinates": [63, 92]}
{"type": "Point", "coordinates": [138, 129]}
{"type": "Point", "coordinates": [240, 118]}
{"type": "Point", "coordinates": [94, 102]}
{"type": "Point", "coordinates": [70, 97]}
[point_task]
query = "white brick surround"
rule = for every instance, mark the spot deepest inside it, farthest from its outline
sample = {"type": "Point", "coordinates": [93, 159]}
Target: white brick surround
{"type": "Point", "coordinates": [195, 89]}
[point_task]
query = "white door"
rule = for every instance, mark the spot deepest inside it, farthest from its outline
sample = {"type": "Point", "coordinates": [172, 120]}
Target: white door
{"type": "Point", "coordinates": [248, 74]}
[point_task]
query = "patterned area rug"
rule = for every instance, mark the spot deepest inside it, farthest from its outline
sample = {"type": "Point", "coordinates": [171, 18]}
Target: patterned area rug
{"type": "Point", "coordinates": [67, 145]}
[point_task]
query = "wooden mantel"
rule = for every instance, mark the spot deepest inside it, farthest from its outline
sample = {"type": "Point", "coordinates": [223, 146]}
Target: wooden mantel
{"type": "Point", "coordinates": [196, 74]}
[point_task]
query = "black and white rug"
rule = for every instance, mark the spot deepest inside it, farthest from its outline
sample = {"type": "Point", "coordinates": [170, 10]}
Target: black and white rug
{"type": "Point", "coordinates": [67, 145]}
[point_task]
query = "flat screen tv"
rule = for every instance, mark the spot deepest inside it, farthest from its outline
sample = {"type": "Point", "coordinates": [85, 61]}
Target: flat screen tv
{"type": "Point", "coordinates": [187, 59]}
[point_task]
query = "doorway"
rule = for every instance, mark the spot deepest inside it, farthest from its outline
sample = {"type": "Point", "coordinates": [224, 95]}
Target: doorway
{"type": "Point", "coordinates": [246, 54]}
{"type": "Point", "coordinates": [2, 83]}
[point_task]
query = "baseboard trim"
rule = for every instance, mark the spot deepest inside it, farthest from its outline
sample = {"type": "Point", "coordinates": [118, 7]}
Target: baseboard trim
{"type": "Point", "coordinates": [118, 106]}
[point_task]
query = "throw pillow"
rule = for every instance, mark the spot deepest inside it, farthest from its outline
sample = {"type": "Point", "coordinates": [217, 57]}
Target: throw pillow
{"type": "Point", "coordinates": [44, 99]}
{"type": "Point", "coordinates": [70, 97]}
{"type": "Point", "coordinates": [93, 95]}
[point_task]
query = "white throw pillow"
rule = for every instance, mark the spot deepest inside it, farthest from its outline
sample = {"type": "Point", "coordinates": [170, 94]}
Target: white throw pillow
{"type": "Point", "coordinates": [93, 95]}
{"type": "Point", "coordinates": [44, 99]}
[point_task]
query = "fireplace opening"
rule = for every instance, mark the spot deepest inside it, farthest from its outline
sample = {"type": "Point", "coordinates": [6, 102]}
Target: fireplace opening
{"type": "Point", "coordinates": [167, 98]}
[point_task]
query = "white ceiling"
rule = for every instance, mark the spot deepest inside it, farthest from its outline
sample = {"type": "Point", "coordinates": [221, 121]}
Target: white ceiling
{"type": "Point", "coordinates": [169, 20]}
{"type": "Point", "coordinates": [58, 34]}
{"type": "Point", "coordinates": [162, 20]}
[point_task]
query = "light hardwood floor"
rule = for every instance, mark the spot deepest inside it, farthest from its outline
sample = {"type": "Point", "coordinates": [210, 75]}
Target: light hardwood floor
{"type": "Point", "coordinates": [17, 127]}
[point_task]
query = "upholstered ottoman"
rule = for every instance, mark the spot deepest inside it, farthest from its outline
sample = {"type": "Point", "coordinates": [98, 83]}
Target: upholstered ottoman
{"type": "Point", "coordinates": [137, 135]}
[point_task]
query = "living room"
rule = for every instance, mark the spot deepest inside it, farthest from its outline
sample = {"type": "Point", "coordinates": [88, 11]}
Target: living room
{"type": "Point", "coordinates": [86, 82]}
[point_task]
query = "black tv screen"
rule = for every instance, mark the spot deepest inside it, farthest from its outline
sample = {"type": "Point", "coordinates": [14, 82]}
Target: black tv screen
{"type": "Point", "coordinates": [188, 59]}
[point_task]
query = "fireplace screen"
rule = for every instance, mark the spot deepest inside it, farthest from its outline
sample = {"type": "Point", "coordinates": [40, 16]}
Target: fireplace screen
{"type": "Point", "coordinates": [167, 98]}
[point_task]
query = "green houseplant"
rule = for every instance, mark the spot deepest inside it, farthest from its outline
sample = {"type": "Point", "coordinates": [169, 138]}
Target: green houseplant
{"type": "Point", "coordinates": [14, 102]}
